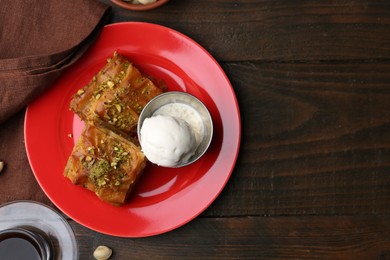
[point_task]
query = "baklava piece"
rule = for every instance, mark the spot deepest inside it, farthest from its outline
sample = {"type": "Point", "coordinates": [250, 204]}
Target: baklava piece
{"type": "Point", "coordinates": [115, 96]}
{"type": "Point", "coordinates": [106, 164]}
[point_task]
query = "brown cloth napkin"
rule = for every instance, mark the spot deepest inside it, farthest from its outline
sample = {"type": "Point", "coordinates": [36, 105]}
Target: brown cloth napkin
{"type": "Point", "coordinates": [39, 40]}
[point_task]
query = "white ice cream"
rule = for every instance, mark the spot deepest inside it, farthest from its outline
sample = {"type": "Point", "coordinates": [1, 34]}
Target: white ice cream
{"type": "Point", "coordinates": [184, 112]}
{"type": "Point", "coordinates": [167, 140]}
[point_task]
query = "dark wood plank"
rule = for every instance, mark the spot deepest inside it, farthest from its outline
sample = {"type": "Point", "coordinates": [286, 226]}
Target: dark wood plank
{"type": "Point", "coordinates": [336, 237]}
{"type": "Point", "coordinates": [315, 140]}
{"type": "Point", "coordinates": [278, 30]}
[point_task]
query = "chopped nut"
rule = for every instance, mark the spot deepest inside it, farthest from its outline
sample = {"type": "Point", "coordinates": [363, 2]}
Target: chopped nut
{"type": "Point", "coordinates": [70, 135]}
{"type": "Point", "coordinates": [102, 253]}
{"type": "Point", "coordinates": [110, 84]}
{"type": "Point", "coordinates": [114, 164]}
{"type": "Point", "coordinates": [118, 107]}
{"type": "Point", "coordinates": [80, 92]}
{"type": "Point", "coordinates": [1, 166]}
{"type": "Point", "coordinates": [91, 150]}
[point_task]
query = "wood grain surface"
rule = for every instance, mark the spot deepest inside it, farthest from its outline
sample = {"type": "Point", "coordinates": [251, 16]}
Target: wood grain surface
{"type": "Point", "coordinates": [315, 140]}
{"type": "Point", "coordinates": [278, 30]}
{"type": "Point", "coordinates": [320, 237]}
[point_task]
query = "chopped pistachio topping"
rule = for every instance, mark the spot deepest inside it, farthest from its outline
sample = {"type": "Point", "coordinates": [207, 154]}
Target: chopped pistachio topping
{"type": "Point", "coordinates": [118, 114]}
{"type": "Point", "coordinates": [105, 170]}
{"type": "Point", "coordinates": [99, 172]}
{"type": "Point", "coordinates": [110, 83]}
{"type": "Point", "coordinates": [91, 150]}
{"type": "Point", "coordinates": [118, 107]}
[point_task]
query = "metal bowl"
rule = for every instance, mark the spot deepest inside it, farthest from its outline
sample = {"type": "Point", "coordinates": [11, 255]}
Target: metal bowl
{"type": "Point", "coordinates": [187, 99]}
{"type": "Point", "coordinates": [139, 7]}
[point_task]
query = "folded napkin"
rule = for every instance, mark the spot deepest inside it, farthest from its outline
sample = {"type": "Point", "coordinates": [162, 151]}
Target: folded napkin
{"type": "Point", "coordinates": [39, 40]}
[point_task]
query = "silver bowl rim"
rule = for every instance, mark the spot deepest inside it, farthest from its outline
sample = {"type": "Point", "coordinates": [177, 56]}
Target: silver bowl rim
{"type": "Point", "coordinates": [210, 135]}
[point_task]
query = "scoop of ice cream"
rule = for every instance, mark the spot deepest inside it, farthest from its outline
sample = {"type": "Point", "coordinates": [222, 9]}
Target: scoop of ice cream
{"type": "Point", "coordinates": [167, 141]}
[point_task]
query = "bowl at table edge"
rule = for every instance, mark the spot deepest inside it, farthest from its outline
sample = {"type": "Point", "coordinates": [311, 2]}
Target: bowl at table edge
{"type": "Point", "coordinates": [187, 99]}
{"type": "Point", "coordinates": [139, 7]}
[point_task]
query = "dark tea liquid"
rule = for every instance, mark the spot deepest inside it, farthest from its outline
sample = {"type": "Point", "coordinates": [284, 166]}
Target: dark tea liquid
{"type": "Point", "coordinates": [20, 244]}
{"type": "Point", "coordinates": [16, 248]}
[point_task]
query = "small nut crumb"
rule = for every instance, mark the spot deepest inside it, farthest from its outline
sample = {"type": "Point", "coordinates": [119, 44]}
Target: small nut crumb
{"type": "Point", "coordinates": [1, 166]}
{"type": "Point", "coordinates": [80, 92]}
{"type": "Point", "coordinates": [110, 84]}
{"type": "Point", "coordinates": [70, 135]}
{"type": "Point", "coordinates": [102, 253]}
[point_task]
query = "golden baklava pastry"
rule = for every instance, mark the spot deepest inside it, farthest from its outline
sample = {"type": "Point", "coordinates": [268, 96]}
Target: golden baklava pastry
{"type": "Point", "coordinates": [106, 164]}
{"type": "Point", "coordinates": [115, 96]}
{"type": "Point", "coordinates": [106, 159]}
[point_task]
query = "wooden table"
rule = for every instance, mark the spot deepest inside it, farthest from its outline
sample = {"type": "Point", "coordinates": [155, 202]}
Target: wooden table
{"type": "Point", "coordinates": [312, 180]}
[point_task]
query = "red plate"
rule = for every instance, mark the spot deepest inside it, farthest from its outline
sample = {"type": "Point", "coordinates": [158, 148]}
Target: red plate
{"type": "Point", "coordinates": [164, 198]}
